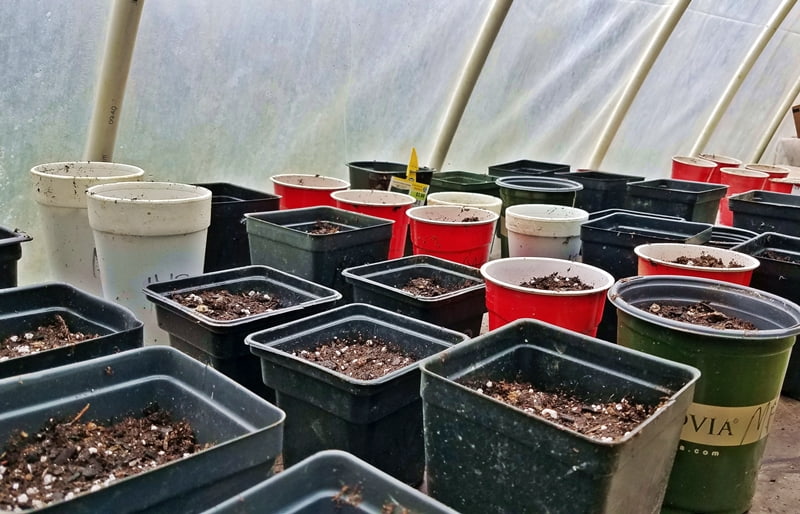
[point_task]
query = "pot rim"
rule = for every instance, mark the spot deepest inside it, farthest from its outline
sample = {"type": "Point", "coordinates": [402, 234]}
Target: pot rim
{"type": "Point", "coordinates": [751, 262]}
{"type": "Point", "coordinates": [744, 172]}
{"type": "Point", "coordinates": [401, 199]}
{"type": "Point", "coordinates": [694, 161]}
{"type": "Point", "coordinates": [723, 160]}
{"type": "Point", "coordinates": [608, 279]}
{"type": "Point", "coordinates": [334, 183]}
{"type": "Point", "coordinates": [557, 185]}
{"type": "Point", "coordinates": [615, 297]}
{"type": "Point", "coordinates": [414, 213]}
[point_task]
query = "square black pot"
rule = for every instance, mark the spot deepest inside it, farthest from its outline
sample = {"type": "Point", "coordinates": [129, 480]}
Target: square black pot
{"type": "Point", "coordinates": [601, 190]}
{"type": "Point", "coordinates": [381, 283]}
{"type": "Point", "coordinates": [692, 201]}
{"type": "Point", "coordinates": [246, 430]}
{"type": "Point", "coordinates": [332, 482]}
{"type": "Point", "coordinates": [464, 181]}
{"type": "Point", "coordinates": [25, 308]}
{"type": "Point", "coordinates": [766, 211]}
{"type": "Point", "coordinates": [10, 252]}
{"type": "Point", "coordinates": [527, 167]}
{"type": "Point", "coordinates": [378, 420]}
{"type": "Point", "coordinates": [378, 174]}
{"type": "Point", "coordinates": [280, 239]}
{"type": "Point", "coordinates": [221, 343]}
{"type": "Point", "coordinates": [226, 245]}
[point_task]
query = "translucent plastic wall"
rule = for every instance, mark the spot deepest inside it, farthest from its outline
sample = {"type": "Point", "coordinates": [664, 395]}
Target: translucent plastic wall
{"type": "Point", "coordinates": [238, 91]}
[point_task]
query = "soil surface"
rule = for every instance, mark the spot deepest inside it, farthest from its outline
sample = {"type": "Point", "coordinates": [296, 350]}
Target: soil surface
{"type": "Point", "coordinates": [348, 495]}
{"type": "Point", "coordinates": [222, 305]}
{"type": "Point", "coordinates": [706, 261]}
{"type": "Point", "coordinates": [323, 228]}
{"type": "Point", "coordinates": [605, 421]}
{"type": "Point", "coordinates": [67, 457]}
{"type": "Point", "coordinates": [429, 287]}
{"type": "Point", "coordinates": [700, 313]}
{"type": "Point", "coordinates": [470, 219]}
{"type": "Point", "coordinates": [556, 282]}
{"type": "Point", "coordinates": [778, 256]}
{"type": "Point", "coordinates": [359, 357]}
{"type": "Point", "coordinates": [45, 337]}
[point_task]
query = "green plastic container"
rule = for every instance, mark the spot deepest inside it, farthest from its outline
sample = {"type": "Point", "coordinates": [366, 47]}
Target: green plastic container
{"type": "Point", "coordinates": [464, 182]}
{"type": "Point", "coordinates": [483, 456]}
{"type": "Point", "coordinates": [692, 201]}
{"type": "Point", "coordinates": [726, 427]}
{"type": "Point", "coordinates": [516, 190]}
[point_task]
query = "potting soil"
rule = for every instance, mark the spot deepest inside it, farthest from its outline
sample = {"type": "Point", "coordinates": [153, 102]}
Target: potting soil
{"type": "Point", "coordinates": [602, 420]}
{"type": "Point", "coordinates": [706, 261]}
{"type": "Point", "coordinates": [44, 337]}
{"type": "Point", "coordinates": [700, 313]}
{"type": "Point", "coordinates": [556, 282]}
{"type": "Point", "coordinates": [69, 457]}
{"type": "Point", "coordinates": [221, 304]}
{"type": "Point", "coordinates": [429, 287]}
{"type": "Point", "coordinates": [359, 357]}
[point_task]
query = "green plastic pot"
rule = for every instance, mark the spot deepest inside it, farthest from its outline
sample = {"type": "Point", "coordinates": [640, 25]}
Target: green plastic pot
{"type": "Point", "coordinates": [726, 428]}
{"type": "Point", "coordinates": [483, 456]}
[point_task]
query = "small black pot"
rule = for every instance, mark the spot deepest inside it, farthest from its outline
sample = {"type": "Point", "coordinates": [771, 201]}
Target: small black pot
{"type": "Point", "coordinates": [377, 174]}
{"type": "Point", "coordinates": [381, 283]}
{"type": "Point", "coordinates": [25, 308]}
{"type": "Point", "coordinates": [601, 190]}
{"type": "Point", "coordinates": [10, 252]}
{"type": "Point", "coordinates": [766, 211]}
{"type": "Point", "coordinates": [692, 201]}
{"type": "Point", "coordinates": [378, 420]}
{"type": "Point", "coordinates": [464, 182]}
{"type": "Point", "coordinates": [221, 343]}
{"type": "Point", "coordinates": [226, 245]}
{"type": "Point", "coordinates": [317, 486]}
{"type": "Point", "coordinates": [527, 167]}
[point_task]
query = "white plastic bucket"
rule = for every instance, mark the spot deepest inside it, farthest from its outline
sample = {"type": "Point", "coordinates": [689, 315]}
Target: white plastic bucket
{"type": "Point", "coordinates": [60, 190]}
{"type": "Point", "coordinates": [147, 232]}
{"type": "Point", "coordinates": [543, 230]}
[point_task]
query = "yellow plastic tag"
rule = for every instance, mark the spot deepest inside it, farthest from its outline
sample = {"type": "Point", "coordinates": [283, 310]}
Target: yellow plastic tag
{"type": "Point", "coordinates": [417, 190]}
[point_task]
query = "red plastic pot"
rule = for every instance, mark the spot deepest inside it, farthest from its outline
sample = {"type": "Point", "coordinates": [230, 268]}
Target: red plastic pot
{"type": "Point", "coordinates": [381, 204]}
{"type": "Point", "coordinates": [738, 180]}
{"type": "Point", "coordinates": [297, 190]}
{"type": "Point", "coordinates": [788, 185]}
{"type": "Point", "coordinates": [655, 259]}
{"type": "Point", "coordinates": [769, 169]}
{"type": "Point", "coordinates": [507, 300]}
{"type": "Point", "coordinates": [692, 168]}
{"type": "Point", "coordinates": [458, 234]}
{"type": "Point", "coordinates": [722, 161]}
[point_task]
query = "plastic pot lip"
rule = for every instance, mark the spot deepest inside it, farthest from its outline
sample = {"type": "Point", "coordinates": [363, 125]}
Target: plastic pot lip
{"type": "Point", "coordinates": [694, 161]}
{"type": "Point", "coordinates": [86, 171]}
{"type": "Point", "coordinates": [539, 184]}
{"type": "Point", "coordinates": [749, 262]}
{"type": "Point", "coordinates": [786, 180]}
{"type": "Point", "coordinates": [616, 291]}
{"type": "Point", "coordinates": [328, 183]}
{"type": "Point", "coordinates": [10, 237]}
{"type": "Point", "coordinates": [724, 160]}
{"type": "Point", "coordinates": [128, 193]}
{"type": "Point", "coordinates": [769, 169]}
{"type": "Point", "coordinates": [538, 213]}
{"type": "Point", "coordinates": [418, 214]}
{"type": "Point", "coordinates": [743, 172]}
{"type": "Point", "coordinates": [382, 198]}
{"type": "Point", "coordinates": [467, 199]}
{"type": "Point", "coordinates": [272, 347]}
{"type": "Point", "coordinates": [162, 299]}
{"type": "Point", "coordinates": [608, 279]}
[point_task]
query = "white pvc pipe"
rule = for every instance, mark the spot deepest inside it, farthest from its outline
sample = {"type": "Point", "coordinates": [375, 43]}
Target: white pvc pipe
{"type": "Point", "coordinates": [777, 119]}
{"type": "Point", "coordinates": [466, 82]}
{"type": "Point", "coordinates": [635, 83]}
{"type": "Point", "coordinates": [741, 73]}
{"type": "Point", "coordinates": [120, 40]}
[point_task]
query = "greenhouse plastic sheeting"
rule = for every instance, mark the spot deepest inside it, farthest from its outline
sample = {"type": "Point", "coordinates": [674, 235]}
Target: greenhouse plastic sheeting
{"type": "Point", "coordinates": [237, 92]}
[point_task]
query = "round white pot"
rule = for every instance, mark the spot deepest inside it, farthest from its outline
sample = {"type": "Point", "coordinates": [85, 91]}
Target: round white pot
{"type": "Point", "coordinates": [60, 190]}
{"type": "Point", "coordinates": [543, 230]}
{"type": "Point", "coordinates": [147, 232]}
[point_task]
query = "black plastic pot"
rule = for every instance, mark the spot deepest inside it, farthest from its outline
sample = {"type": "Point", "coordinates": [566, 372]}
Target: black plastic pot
{"type": "Point", "coordinates": [606, 212]}
{"type": "Point", "coordinates": [246, 430]}
{"type": "Point", "coordinates": [10, 252]}
{"type": "Point", "coordinates": [380, 284]}
{"type": "Point", "coordinates": [280, 239]}
{"type": "Point", "coordinates": [378, 174]}
{"type": "Point", "coordinates": [608, 243]}
{"type": "Point", "coordinates": [226, 245]}
{"type": "Point", "coordinates": [378, 420]}
{"type": "Point", "coordinates": [24, 308]}
{"type": "Point", "coordinates": [317, 486]}
{"type": "Point", "coordinates": [527, 167]}
{"type": "Point", "coordinates": [728, 237]}
{"type": "Point", "coordinates": [601, 190]}
{"type": "Point", "coordinates": [692, 201]}
{"type": "Point", "coordinates": [779, 273]}
{"type": "Point", "coordinates": [221, 343]}
{"type": "Point", "coordinates": [465, 182]}
{"type": "Point", "coordinates": [484, 456]}
{"type": "Point", "coordinates": [766, 211]}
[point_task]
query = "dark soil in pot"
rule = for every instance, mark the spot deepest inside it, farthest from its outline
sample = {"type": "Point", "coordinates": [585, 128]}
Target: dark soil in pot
{"type": "Point", "coordinates": [221, 304]}
{"type": "Point", "coordinates": [556, 282]}
{"type": "Point", "coordinates": [360, 357]}
{"type": "Point", "coordinates": [702, 314]}
{"type": "Point", "coordinates": [429, 287]}
{"type": "Point", "coordinates": [705, 261]}
{"type": "Point", "coordinates": [45, 337]}
{"type": "Point", "coordinates": [68, 457]}
{"type": "Point", "coordinates": [602, 420]}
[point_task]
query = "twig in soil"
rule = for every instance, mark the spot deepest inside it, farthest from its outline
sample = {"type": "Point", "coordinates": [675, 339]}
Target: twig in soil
{"type": "Point", "coordinates": [81, 413]}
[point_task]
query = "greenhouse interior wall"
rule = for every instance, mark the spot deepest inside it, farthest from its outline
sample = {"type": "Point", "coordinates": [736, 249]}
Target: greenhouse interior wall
{"type": "Point", "coordinates": [240, 91]}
